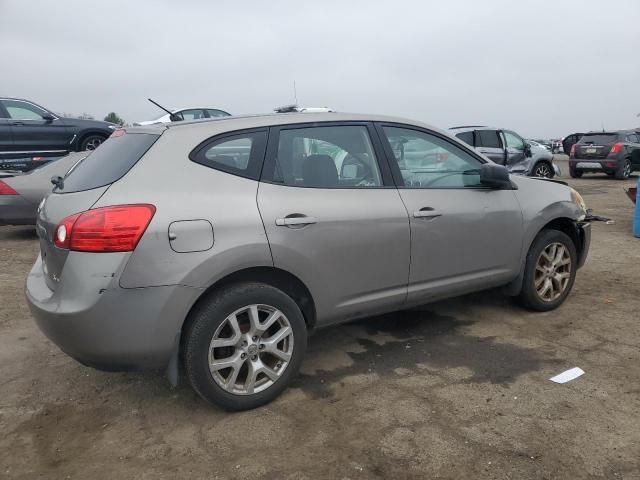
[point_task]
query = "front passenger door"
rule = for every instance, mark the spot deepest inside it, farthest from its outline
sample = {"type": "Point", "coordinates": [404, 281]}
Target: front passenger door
{"type": "Point", "coordinates": [31, 132]}
{"type": "Point", "coordinates": [464, 236]}
{"type": "Point", "coordinates": [516, 148]}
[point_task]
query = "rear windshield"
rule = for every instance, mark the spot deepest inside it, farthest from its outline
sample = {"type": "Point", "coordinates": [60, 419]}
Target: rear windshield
{"type": "Point", "coordinates": [599, 138]}
{"type": "Point", "coordinates": [108, 163]}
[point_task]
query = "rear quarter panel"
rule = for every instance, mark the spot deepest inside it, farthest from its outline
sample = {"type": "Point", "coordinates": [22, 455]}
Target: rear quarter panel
{"type": "Point", "coordinates": [183, 190]}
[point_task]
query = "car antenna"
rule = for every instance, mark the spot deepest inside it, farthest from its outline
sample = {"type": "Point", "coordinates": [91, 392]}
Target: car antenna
{"type": "Point", "coordinates": [160, 106]}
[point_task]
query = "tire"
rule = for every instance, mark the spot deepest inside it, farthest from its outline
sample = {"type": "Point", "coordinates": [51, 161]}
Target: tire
{"type": "Point", "coordinates": [91, 142]}
{"type": "Point", "coordinates": [543, 170]}
{"type": "Point", "coordinates": [212, 319]}
{"type": "Point", "coordinates": [575, 173]}
{"type": "Point", "coordinates": [624, 170]}
{"type": "Point", "coordinates": [539, 270]}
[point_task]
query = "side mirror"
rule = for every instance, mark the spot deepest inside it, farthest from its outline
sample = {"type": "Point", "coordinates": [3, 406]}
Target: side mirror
{"type": "Point", "coordinates": [174, 117]}
{"type": "Point", "coordinates": [495, 176]}
{"type": "Point", "coordinates": [527, 150]}
{"type": "Point", "coordinates": [47, 117]}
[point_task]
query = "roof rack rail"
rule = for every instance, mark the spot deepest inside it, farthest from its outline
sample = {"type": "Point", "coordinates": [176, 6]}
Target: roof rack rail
{"type": "Point", "coordinates": [296, 108]}
{"type": "Point", "coordinates": [468, 126]}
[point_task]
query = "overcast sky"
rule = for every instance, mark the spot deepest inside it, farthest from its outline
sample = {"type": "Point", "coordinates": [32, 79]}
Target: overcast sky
{"type": "Point", "coordinates": [543, 68]}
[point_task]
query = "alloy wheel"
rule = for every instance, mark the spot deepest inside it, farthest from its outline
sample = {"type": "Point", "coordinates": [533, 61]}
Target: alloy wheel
{"type": "Point", "coordinates": [626, 169]}
{"type": "Point", "coordinates": [553, 272]}
{"type": "Point", "coordinates": [251, 349]}
{"type": "Point", "coordinates": [93, 143]}
{"type": "Point", "coordinates": [542, 170]}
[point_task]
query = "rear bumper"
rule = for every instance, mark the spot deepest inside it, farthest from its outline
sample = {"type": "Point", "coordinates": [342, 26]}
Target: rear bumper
{"type": "Point", "coordinates": [107, 327]}
{"type": "Point", "coordinates": [15, 210]}
{"type": "Point", "coordinates": [594, 164]}
{"type": "Point", "coordinates": [584, 233]}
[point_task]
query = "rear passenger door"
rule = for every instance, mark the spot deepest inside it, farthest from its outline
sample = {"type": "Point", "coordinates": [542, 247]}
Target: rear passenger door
{"type": "Point", "coordinates": [634, 146]}
{"type": "Point", "coordinates": [334, 218]}
{"type": "Point", "coordinates": [489, 143]}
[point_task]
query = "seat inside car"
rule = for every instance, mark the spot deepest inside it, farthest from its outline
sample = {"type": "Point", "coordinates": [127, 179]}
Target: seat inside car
{"type": "Point", "coordinates": [319, 171]}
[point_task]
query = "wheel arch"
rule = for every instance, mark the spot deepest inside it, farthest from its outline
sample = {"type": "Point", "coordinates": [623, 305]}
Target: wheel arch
{"type": "Point", "coordinates": [563, 224]}
{"type": "Point", "coordinates": [82, 135]}
{"type": "Point", "coordinates": [276, 277]}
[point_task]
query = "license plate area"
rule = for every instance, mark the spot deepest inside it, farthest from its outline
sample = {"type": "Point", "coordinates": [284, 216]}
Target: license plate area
{"type": "Point", "coordinates": [588, 165]}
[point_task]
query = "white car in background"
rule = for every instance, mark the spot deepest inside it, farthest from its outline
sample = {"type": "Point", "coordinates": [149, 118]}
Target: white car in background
{"type": "Point", "coordinates": [180, 114]}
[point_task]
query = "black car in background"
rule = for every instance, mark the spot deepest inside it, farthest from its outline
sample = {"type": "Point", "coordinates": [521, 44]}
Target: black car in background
{"type": "Point", "coordinates": [608, 152]}
{"type": "Point", "coordinates": [29, 130]}
{"type": "Point", "coordinates": [569, 141]}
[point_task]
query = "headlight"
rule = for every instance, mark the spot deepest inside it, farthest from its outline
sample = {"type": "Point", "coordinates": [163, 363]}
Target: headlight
{"type": "Point", "coordinates": [113, 127]}
{"type": "Point", "coordinates": [579, 201]}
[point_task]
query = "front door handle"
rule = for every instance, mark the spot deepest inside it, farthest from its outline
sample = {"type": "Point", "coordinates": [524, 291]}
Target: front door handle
{"type": "Point", "coordinates": [17, 124]}
{"type": "Point", "coordinates": [293, 221]}
{"type": "Point", "coordinates": [427, 212]}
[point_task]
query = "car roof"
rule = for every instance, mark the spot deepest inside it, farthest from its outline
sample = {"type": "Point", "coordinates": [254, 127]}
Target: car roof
{"type": "Point", "coordinates": [239, 122]}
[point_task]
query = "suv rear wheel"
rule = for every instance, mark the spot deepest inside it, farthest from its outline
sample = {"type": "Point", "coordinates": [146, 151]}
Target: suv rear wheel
{"type": "Point", "coordinates": [624, 170]}
{"type": "Point", "coordinates": [244, 345]}
{"type": "Point", "coordinates": [549, 272]}
{"type": "Point", "coordinates": [575, 173]}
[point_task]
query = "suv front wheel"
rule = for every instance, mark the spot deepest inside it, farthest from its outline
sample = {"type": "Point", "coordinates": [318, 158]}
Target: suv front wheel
{"type": "Point", "coordinates": [244, 345]}
{"type": "Point", "coordinates": [549, 272]}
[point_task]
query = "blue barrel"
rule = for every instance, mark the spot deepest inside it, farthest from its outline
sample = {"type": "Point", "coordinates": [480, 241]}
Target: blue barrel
{"type": "Point", "coordinates": [636, 219]}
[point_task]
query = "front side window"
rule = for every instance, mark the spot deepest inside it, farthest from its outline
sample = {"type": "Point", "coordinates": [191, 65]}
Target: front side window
{"type": "Point", "coordinates": [238, 154]}
{"type": "Point", "coordinates": [23, 111]}
{"type": "Point", "coordinates": [429, 161]}
{"type": "Point", "coordinates": [327, 157]}
{"type": "Point", "coordinates": [514, 141]}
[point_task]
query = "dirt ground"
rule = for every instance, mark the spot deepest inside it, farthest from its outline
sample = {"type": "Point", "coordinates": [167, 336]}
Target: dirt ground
{"type": "Point", "coordinates": [459, 389]}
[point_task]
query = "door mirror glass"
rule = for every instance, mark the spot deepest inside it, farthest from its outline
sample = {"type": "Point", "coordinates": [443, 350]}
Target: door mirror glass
{"type": "Point", "coordinates": [495, 176]}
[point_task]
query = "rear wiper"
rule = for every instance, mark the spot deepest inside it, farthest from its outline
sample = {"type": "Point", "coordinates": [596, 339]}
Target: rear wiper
{"type": "Point", "coordinates": [58, 182]}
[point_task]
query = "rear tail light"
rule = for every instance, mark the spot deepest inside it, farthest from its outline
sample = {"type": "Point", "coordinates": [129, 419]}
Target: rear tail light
{"type": "Point", "coordinates": [118, 133]}
{"type": "Point", "coordinates": [6, 189]}
{"type": "Point", "coordinates": [573, 151]}
{"type": "Point", "coordinates": [617, 147]}
{"type": "Point", "coordinates": [118, 228]}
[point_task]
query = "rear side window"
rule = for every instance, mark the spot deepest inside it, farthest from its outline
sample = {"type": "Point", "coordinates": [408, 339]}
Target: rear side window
{"type": "Point", "coordinates": [599, 138]}
{"type": "Point", "coordinates": [466, 137]}
{"type": "Point", "coordinates": [488, 139]}
{"type": "Point", "coordinates": [108, 163]}
{"type": "Point", "coordinates": [240, 154]}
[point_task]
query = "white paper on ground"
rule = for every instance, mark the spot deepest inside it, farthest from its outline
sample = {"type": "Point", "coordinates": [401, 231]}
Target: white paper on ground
{"type": "Point", "coordinates": [567, 376]}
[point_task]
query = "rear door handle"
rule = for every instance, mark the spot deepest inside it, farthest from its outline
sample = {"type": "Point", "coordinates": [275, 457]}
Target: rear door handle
{"type": "Point", "coordinates": [427, 212]}
{"type": "Point", "coordinates": [290, 221]}
{"type": "Point", "coordinates": [16, 124]}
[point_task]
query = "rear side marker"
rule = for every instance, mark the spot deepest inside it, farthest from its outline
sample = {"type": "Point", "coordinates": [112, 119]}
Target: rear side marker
{"type": "Point", "coordinates": [117, 228]}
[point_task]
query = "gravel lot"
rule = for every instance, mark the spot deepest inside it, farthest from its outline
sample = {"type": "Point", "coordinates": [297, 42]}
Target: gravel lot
{"type": "Point", "coordinates": [458, 389]}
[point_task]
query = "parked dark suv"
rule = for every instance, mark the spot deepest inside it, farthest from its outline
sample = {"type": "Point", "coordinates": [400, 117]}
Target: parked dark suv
{"type": "Point", "coordinates": [28, 130]}
{"type": "Point", "coordinates": [608, 152]}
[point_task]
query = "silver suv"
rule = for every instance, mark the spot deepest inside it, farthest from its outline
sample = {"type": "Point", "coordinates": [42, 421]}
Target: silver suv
{"type": "Point", "coordinates": [221, 244]}
{"type": "Point", "coordinates": [506, 147]}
